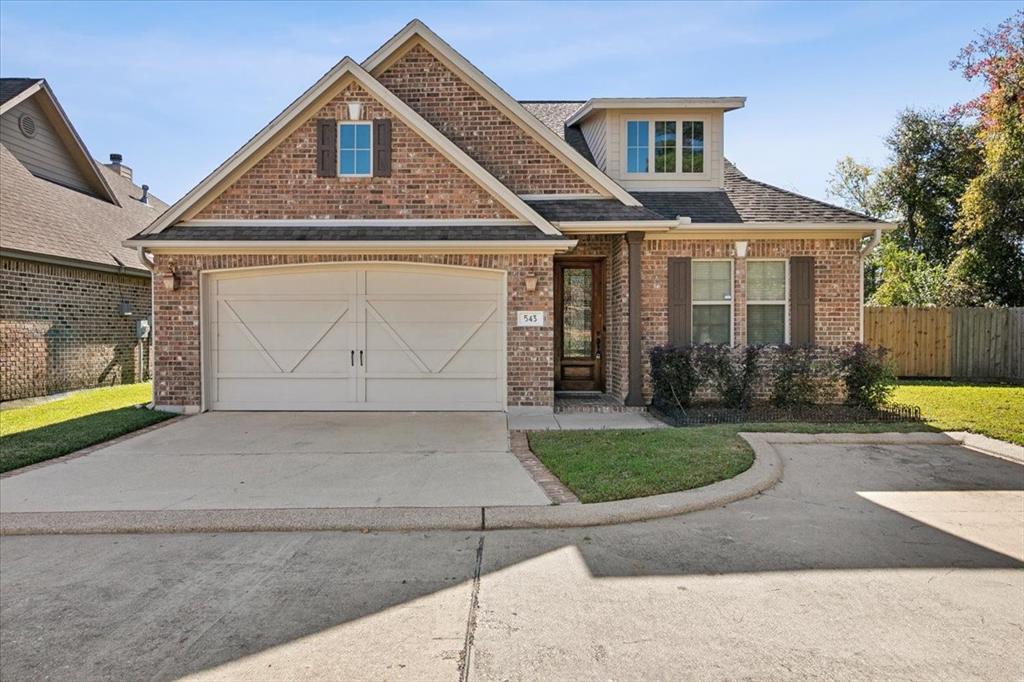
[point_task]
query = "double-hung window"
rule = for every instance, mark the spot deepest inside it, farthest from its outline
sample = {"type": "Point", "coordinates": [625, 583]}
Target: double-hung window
{"type": "Point", "coordinates": [355, 148]}
{"type": "Point", "coordinates": [766, 302]}
{"type": "Point", "coordinates": [711, 287]}
{"type": "Point", "coordinates": [660, 146]}
{"type": "Point", "coordinates": [637, 146]}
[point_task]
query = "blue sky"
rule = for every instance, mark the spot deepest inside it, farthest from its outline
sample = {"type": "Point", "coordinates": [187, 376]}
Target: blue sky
{"type": "Point", "coordinates": [177, 87]}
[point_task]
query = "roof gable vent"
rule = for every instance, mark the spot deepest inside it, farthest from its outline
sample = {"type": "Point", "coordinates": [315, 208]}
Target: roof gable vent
{"type": "Point", "coordinates": [27, 125]}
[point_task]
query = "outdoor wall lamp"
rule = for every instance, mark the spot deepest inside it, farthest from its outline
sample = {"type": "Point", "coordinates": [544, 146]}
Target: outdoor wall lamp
{"type": "Point", "coordinates": [171, 280]}
{"type": "Point", "coordinates": [741, 249]}
{"type": "Point", "coordinates": [126, 309]}
{"type": "Point", "coordinates": [531, 282]}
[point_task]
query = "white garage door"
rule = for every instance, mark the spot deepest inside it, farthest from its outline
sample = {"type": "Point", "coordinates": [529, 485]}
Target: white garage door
{"type": "Point", "coordinates": [359, 337]}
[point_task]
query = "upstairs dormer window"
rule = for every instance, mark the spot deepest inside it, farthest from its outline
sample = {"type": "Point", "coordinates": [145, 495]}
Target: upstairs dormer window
{"type": "Point", "coordinates": [637, 146]}
{"type": "Point", "coordinates": [355, 151]}
{"type": "Point", "coordinates": [664, 146]}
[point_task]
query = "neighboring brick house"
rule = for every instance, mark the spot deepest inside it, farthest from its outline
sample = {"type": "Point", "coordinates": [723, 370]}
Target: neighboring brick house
{"type": "Point", "coordinates": [71, 294]}
{"type": "Point", "coordinates": [406, 236]}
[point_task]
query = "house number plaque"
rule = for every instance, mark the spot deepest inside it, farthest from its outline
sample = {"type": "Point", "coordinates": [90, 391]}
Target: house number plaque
{"type": "Point", "coordinates": [530, 318]}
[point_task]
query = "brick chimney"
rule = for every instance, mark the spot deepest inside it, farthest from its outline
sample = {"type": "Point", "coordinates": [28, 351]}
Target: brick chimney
{"type": "Point", "coordinates": [118, 167]}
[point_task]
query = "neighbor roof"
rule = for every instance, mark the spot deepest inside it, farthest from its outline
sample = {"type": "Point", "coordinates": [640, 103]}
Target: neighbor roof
{"type": "Point", "coordinates": [12, 87]}
{"type": "Point", "coordinates": [744, 200]}
{"type": "Point", "coordinates": [42, 217]}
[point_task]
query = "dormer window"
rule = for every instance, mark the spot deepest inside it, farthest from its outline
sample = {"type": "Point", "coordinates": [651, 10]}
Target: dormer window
{"type": "Point", "coordinates": [637, 146]}
{"type": "Point", "coordinates": [664, 146]}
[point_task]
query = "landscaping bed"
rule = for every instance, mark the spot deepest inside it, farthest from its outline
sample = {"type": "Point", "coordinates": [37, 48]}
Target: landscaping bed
{"type": "Point", "coordinates": [51, 429]}
{"type": "Point", "coordinates": [699, 415]}
{"type": "Point", "coordinates": [606, 465]}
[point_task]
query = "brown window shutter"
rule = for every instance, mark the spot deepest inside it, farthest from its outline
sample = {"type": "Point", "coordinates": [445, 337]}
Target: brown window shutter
{"type": "Point", "coordinates": [801, 300]}
{"type": "Point", "coordinates": [326, 147]}
{"type": "Point", "coordinates": [680, 299]}
{"type": "Point", "coordinates": [382, 147]}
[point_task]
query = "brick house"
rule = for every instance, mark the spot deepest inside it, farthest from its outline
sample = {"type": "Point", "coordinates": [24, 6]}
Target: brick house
{"type": "Point", "coordinates": [71, 294]}
{"type": "Point", "coordinates": [406, 236]}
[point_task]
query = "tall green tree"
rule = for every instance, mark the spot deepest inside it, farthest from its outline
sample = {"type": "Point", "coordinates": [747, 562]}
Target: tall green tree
{"type": "Point", "coordinates": [933, 157]}
{"type": "Point", "coordinates": [989, 267]}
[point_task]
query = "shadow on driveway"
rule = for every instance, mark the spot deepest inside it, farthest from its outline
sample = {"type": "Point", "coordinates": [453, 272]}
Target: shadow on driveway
{"type": "Point", "coordinates": [813, 577]}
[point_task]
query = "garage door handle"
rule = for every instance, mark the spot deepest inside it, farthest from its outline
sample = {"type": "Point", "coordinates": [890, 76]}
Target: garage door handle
{"type": "Point", "coordinates": [353, 358]}
{"type": "Point", "coordinates": [360, 358]}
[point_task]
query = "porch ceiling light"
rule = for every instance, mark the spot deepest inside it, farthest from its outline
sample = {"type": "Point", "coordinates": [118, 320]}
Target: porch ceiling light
{"type": "Point", "coordinates": [741, 249]}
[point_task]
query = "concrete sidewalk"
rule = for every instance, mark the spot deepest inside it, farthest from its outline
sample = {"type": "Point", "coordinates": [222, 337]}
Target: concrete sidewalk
{"type": "Point", "coordinates": [228, 460]}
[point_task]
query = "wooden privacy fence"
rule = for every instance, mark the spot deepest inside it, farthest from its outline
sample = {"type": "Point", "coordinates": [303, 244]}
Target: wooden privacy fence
{"type": "Point", "coordinates": [975, 343]}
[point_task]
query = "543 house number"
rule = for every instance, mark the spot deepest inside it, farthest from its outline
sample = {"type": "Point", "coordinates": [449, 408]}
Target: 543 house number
{"type": "Point", "coordinates": [529, 318]}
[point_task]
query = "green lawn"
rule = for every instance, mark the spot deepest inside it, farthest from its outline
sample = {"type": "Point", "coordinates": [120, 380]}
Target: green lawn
{"type": "Point", "coordinates": [33, 434]}
{"type": "Point", "coordinates": [613, 465]}
{"type": "Point", "coordinates": [995, 410]}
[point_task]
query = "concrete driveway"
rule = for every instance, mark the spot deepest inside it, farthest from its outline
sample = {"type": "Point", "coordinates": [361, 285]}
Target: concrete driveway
{"type": "Point", "coordinates": [282, 460]}
{"type": "Point", "coordinates": [865, 562]}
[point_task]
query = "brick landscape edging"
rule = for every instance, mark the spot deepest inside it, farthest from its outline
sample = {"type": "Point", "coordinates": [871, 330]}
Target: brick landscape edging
{"type": "Point", "coordinates": [556, 491]}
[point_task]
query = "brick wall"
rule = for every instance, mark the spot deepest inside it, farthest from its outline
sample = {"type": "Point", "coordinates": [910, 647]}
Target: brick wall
{"type": "Point", "coordinates": [469, 120]}
{"type": "Point", "coordinates": [61, 328]}
{"type": "Point", "coordinates": [423, 183]}
{"type": "Point", "coordinates": [178, 380]}
{"type": "Point", "coordinates": [836, 286]}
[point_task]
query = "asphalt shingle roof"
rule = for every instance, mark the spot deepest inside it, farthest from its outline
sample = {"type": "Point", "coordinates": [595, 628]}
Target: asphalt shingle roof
{"type": "Point", "coordinates": [39, 216]}
{"type": "Point", "coordinates": [314, 232]}
{"type": "Point", "coordinates": [591, 209]}
{"type": "Point", "coordinates": [12, 87]}
{"type": "Point", "coordinates": [744, 199]}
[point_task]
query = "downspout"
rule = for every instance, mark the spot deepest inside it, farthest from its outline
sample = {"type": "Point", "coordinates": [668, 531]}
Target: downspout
{"type": "Point", "coordinates": [149, 265]}
{"type": "Point", "coordinates": [865, 251]}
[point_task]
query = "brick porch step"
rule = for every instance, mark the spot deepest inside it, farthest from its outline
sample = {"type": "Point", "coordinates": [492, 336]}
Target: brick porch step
{"type": "Point", "coordinates": [591, 403]}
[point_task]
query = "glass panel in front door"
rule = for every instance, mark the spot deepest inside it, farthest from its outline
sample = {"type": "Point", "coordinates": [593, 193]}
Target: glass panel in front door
{"type": "Point", "coordinates": [577, 312]}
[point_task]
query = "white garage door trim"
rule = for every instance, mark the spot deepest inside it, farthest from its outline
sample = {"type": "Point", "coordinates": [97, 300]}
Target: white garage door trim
{"type": "Point", "coordinates": [357, 312]}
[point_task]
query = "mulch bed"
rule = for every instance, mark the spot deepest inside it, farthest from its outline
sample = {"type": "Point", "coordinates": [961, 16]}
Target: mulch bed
{"type": "Point", "coordinates": [704, 414]}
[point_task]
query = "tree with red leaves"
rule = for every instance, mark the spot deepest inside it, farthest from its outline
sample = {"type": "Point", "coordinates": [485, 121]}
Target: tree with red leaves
{"type": "Point", "coordinates": [989, 268]}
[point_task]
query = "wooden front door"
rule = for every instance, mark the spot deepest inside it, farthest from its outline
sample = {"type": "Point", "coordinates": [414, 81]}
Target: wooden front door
{"type": "Point", "coordinates": [579, 325]}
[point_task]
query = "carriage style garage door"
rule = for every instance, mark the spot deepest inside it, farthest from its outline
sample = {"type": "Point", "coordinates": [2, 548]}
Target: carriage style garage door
{"type": "Point", "coordinates": [355, 337]}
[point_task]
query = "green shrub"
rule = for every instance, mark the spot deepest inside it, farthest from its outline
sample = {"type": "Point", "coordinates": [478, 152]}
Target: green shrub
{"type": "Point", "coordinates": [868, 376]}
{"type": "Point", "coordinates": [674, 377]}
{"type": "Point", "coordinates": [793, 379]}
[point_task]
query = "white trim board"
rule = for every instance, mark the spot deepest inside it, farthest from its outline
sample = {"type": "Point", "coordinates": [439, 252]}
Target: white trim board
{"type": "Point", "coordinates": [516, 111]}
{"type": "Point", "coordinates": [303, 108]}
{"type": "Point", "coordinates": [598, 103]}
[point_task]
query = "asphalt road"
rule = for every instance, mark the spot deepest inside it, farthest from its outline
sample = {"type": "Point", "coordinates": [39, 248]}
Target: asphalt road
{"type": "Point", "coordinates": [865, 562]}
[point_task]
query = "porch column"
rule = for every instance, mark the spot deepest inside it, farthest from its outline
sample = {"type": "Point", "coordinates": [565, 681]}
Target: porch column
{"type": "Point", "coordinates": [635, 396]}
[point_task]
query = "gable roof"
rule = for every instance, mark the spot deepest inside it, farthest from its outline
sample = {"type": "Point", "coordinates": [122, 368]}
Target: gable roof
{"type": "Point", "coordinates": [743, 200]}
{"type": "Point", "coordinates": [16, 90]}
{"type": "Point", "coordinates": [512, 108]}
{"type": "Point", "coordinates": [304, 107]}
{"type": "Point", "coordinates": [43, 218]}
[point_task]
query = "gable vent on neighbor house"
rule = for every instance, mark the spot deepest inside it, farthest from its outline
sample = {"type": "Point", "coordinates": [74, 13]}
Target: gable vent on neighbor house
{"type": "Point", "coordinates": [27, 125]}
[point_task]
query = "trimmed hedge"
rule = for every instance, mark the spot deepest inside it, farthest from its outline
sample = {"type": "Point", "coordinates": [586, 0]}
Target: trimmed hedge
{"type": "Point", "coordinates": [784, 376]}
